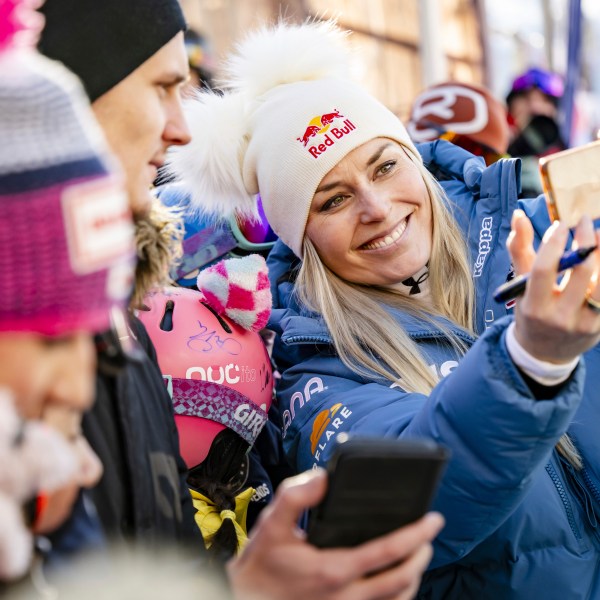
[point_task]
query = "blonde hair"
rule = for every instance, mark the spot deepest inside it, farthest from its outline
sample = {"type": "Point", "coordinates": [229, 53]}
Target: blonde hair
{"type": "Point", "coordinates": [368, 340]}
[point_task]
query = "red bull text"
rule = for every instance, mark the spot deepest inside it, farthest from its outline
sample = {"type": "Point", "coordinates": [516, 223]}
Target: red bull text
{"type": "Point", "coordinates": [321, 126]}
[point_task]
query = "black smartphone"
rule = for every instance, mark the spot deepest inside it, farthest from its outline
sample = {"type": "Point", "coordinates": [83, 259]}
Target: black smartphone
{"type": "Point", "coordinates": [375, 486]}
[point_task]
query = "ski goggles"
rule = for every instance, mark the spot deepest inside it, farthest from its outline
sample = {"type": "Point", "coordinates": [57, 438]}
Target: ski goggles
{"type": "Point", "coordinates": [253, 235]}
{"type": "Point", "coordinates": [208, 240]}
{"type": "Point", "coordinates": [549, 83]}
{"type": "Point", "coordinates": [206, 243]}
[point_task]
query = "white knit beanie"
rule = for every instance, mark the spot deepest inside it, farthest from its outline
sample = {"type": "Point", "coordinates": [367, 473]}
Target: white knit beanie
{"type": "Point", "coordinates": [291, 116]}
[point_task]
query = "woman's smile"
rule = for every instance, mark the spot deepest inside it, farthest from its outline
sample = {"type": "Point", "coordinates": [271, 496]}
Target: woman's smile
{"type": "Point", "coordinates": [388, 240]}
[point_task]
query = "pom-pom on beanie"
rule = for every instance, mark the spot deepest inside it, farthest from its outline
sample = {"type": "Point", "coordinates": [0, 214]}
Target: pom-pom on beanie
{"type": "Point", "coordinates": [66, 235]}
{"type": "Point", "coordinates": [291, 115]}
{"type": "Point", "coordinates": [103, 41]}
{"type": "Point", "coordinates": [240, 289]}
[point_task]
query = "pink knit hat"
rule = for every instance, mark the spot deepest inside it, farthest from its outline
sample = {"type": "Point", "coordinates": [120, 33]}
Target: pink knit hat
{"type": "Point", "coordinates": [66, 235]}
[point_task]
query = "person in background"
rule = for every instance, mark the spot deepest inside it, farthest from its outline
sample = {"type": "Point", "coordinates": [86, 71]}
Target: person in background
{"type": "Point", "coordinates": [207, 241]}
{"type": "Point", "coordinates": [131, 58]}
{"type": "Point", "coordinates": [67, 262]}
{"type": "Point", "coordinates": [386, 316]}
{"type": "Point", "coordinates": [465, 114]}
{"type": "Point", "coordinates": [200, 60]}
{"type": "Point", "coordinates": [533, 115]}
{"type": "Point", "coordinates": [219, 376]}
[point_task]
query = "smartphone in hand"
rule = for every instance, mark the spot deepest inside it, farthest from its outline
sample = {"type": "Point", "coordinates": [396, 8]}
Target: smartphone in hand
{"type": "Point", "coordinates": [375, 486]}
{"type": "Point", "coordinates": [571, 182]}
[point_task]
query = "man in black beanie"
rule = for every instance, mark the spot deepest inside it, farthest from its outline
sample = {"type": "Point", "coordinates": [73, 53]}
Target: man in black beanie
{"type": "Point", "coordinates": [131, 58]}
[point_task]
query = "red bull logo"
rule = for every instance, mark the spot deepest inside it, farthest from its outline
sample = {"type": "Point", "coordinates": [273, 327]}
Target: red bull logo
{"type": "Point", "coordinates": [311, 131]}
{"type": "Point", "coordinates": [321, 125]}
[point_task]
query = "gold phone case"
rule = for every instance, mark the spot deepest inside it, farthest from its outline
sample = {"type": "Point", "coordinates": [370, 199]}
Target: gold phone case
{"type": "Point", "coordinates": [571, 182]}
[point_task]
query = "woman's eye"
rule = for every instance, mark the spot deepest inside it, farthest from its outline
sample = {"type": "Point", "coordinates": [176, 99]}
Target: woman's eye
{"type": "Point", "coordinates": [333, 202]}
{"type": "Point", "coordinates": [386, 167]}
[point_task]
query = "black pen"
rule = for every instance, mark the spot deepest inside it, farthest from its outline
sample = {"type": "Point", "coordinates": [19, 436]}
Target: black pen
{"type": "Point", "coordinates": [515, 287]}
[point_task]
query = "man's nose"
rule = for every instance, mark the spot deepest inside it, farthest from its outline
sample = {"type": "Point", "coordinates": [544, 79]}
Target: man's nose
{"type": "Point", "coordinates": [176, 132]}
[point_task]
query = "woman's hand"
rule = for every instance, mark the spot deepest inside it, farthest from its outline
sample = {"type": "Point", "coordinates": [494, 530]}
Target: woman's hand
{"type": "Point", "coordinates": [279, 564]}
{"type": "Point", "coordinates": [554, 322]}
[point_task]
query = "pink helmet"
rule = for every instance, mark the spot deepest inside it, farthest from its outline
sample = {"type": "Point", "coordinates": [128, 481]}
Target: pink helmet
{"type": "Point", "coordinates": [217, 373]}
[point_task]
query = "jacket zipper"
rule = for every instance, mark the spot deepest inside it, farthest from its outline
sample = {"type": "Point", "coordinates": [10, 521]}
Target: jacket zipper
{"type": "Point", "coordinates": [299, 339]}
{"type": "Point", "coordinates": [563, 496]}
{"type": "Point", "coordinates": [591, 485]}
{"type": "Point", "coordinates": [581, 492]}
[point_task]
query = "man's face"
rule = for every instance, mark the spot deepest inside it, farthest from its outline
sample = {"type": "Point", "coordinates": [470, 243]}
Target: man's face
{"type": "Point", "coordinates": [142, 116]}
{"type": "Point", "coordinates": [530, 104]}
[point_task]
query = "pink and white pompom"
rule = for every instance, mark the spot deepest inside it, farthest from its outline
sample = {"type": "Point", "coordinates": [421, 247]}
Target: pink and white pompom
{"type": "Point", "coordinates": [239, 288]}
{"type": "Point", "coordinates": [20, 24]}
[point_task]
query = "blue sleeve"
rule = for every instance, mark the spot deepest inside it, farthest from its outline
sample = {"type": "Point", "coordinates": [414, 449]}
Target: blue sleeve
{"type": "Point", "coordinates": [498, 433]}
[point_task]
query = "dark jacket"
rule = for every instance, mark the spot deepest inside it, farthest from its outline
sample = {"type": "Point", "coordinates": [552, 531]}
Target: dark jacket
{"type": "Point", "coordinates": [142, 496]}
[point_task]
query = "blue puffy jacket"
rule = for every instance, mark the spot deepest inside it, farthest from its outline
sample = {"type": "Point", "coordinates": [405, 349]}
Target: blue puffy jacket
{"type": "Point", "coordinates": [521, 523]}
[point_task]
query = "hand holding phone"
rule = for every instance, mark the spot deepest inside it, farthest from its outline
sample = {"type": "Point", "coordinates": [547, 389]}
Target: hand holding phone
{"type": "Point", "coordinates": [571, 182]}
{"type": "Point", "coordinates": [375, 487]}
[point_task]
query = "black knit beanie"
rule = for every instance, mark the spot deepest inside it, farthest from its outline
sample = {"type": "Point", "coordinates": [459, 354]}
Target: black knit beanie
{"type": "Point", "coordinates": [103, 41]}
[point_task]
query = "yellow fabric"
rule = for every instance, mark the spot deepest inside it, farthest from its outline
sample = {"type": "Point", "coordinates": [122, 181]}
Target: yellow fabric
{"type": "Point", "coordinates": [209, 518]}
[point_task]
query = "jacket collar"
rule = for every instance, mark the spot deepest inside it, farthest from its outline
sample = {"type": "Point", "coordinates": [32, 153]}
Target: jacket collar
{"type": "Point", "coordinates": [300, 329]}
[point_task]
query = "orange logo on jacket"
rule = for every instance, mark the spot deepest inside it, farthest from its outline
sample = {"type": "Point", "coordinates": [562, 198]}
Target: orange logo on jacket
{"type": "Point", "coordinates": [320, 424]}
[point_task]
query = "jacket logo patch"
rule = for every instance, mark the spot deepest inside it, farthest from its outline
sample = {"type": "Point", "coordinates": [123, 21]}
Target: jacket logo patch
{"type": "Point", "coordinates": [313, 386]}
{"type": "Point", "coordinates": [326, 425]}
{"type": "Point", "coordinates": [485, 245]}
